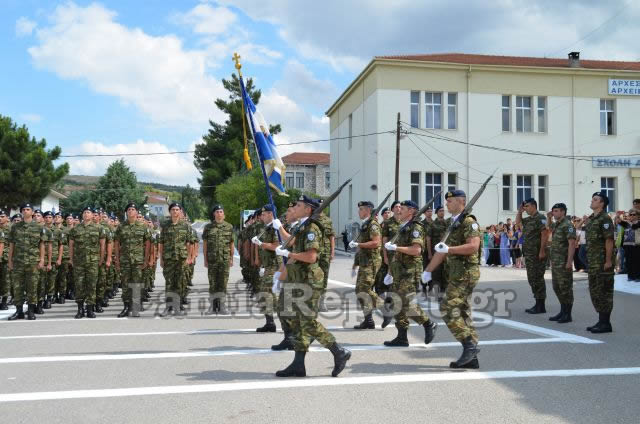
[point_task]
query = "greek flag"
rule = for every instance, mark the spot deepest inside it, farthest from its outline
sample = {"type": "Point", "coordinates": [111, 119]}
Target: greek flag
{"type": "Point", "coordinates": [273, 165]}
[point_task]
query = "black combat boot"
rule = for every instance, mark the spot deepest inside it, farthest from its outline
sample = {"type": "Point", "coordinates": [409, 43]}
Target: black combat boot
{"type": "Point", "coordinates": [19, 314]}
{"type": "Point", "coordinates": [39, 309]}
{"type": "Point", "coordinates": [90, 313]}
{"type": "Point", "coordinates": [538, 308]}
{"type": "Point", "coordinates": [105, 301]}
{"type": "Point", "coordinates": [3, 304]}
{"type": "Point", "coordinates": [47, 303]}
{"type": "Point", "coordinates": [603, 325]}
{"type": "Point", "coordinates": [366, 324]}
{"type": "Point", "coordinates": [269, 327]}
{"type": "Point", "coordinates": [80, 313]}
{"type": "Point", "coordinates": [559, 314]}
{"type": "Point", "coordinates": [296, 368]}
{"type": "Point", "coordinates": [31, 312]}
{"type": "Point", "coordinates": [110, 294]}
{"type": "Point", "coordinates": [469, 358]}
{"type": "Point", "coordinates": [387, 313]}
{"type": "Point", "coordinates": [285, 344]}
{"type": "Point", "coordinates": [125, 310]}
{"type": "Point", "coordinates": [340, 358]}
{"type": "Point", "coordinates": [98, 307]}
{"type": "Point", "coordinates": [430, 329]}
{"type": "Point", "coordinates": [400, 340]}
{"type": "Point", "coordinates": [567, 313]}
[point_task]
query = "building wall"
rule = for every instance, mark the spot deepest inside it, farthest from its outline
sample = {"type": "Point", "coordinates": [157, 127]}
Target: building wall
{"type": "Point", "coordinates": [314, 178]}
{"type": "Point", "coordinates": [50, 203]}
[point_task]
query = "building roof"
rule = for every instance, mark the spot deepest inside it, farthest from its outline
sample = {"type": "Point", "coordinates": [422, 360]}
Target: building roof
{"type": "Point", "coordinates": [56, 194]}
{"type": "Point", "coordinates": [303, 158]}
{"type": "Point", "coordinates": [156, 198]}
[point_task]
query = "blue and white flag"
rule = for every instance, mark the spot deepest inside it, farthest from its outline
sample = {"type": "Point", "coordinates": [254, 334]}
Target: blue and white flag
{"type": "Point", "coordinates": [273, 165]}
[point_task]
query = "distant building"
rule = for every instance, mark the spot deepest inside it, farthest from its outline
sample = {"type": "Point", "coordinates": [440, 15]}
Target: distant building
{"type": "Point", "coordinates": [51, 202]}
{"type": "Point", "coordinates": [158, 204]}
{"type": "Point", "coordinates": [308, 172]}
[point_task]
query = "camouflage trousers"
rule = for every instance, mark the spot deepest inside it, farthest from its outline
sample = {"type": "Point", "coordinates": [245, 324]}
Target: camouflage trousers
{"type": "Point", "coordinates": [101, 285]}
{"type": "Point", "coordinates": [456, 309]}
{"type": "Point", "coordinates": [367, 298]}
{"type": "Point", "coordinates": [266, 298]}
{"type": "Point", "coordinates": [63, 277]}
{"type": "Point", "coordinates": [131, 274]}
{"type": "Point", "coordinates": [111, 276]}
{"type": "Point", "coordinates": [324, 265]}
{"type": "Point", "coordinates": [601, 288]}
{"type": "Point", "coordinates": [300, 302]}
{"type": "Point", "coordinates": [86, 278]}
{"type": "Point", "coordinates": [439, 277]}
{"type": "Point", "coordinates": [50, 283]}
{"type": "Point", "coordinates": [285, 321]}
{"type": "Point", "coordinates": [218, 273]}
{"type": "Point", "coordinates": [174, 276]}
{"type": "Point", "coordinates": [4, 279]}
{"type": "Point", "coordinates": [562, 279]}
{"type": "Point", "coordinates": [535, 275]}
{"type": "Point", "coordinates": [25, 281]}
{"type": "Point", "coordinates": [405, 289]}
{"type": "Point", "coordinates": [146, 277]}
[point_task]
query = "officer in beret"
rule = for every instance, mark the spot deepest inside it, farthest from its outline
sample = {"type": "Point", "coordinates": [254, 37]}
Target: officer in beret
{"type": "Point", "coordinates": [217, 248]}
{"type": "Point", "coordinates": [175, 255]}
{"type": "Point", "coordinates": [563, 247]}
{"type": "Point", "coordinates": [52, 268]}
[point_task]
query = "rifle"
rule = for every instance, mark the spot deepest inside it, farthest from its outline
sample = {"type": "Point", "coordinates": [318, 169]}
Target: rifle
{"type": "Point", "coordinates": [416, 217]}
{"type": "Point", "coordinates": [375, 212]}
{"type": "Point", "coordinates": [315, 214]}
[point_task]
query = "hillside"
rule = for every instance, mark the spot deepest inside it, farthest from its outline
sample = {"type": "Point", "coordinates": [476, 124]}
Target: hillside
{"type": "Point", "coordinates": [73, 183]}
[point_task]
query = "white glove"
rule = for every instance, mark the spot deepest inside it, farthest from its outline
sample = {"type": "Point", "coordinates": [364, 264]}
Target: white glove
{"type": "Point", "coordinates": [256, 241]}
{"type": "Point", "coordinates": [426, 277]}
{"type": "Point", "coordinates": [282, 252]}
{"type": "Point", "coordinates": [354, 272]}
{"type": "Point", "coordinates": [261, 272]}
{"type": "Point", "coordinates": [275, 288]}
{"type": "Point", "coordinates": [390, 246]}
{"type": "Point", "coordinates": [388, 280]}
{"type": "Point", "coordinates": [276, 224]}
{"type": "Point", "coordinates": [442, 248]}
{"type": "Point", "coordinates": [353, 244]}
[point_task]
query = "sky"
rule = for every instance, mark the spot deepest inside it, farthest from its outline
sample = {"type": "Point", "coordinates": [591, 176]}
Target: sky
{"type": "Point", "coordinates": [122, 76]}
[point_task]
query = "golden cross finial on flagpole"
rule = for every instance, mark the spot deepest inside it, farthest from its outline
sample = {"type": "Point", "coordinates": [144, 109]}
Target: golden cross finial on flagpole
{"type": "Point", "coordinates": [236, 59]}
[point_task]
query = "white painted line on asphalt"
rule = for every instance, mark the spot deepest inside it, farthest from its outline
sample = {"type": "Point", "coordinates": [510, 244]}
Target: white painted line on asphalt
{"type": "Point", "coordinates": [243, 352]}
{"type": "Point", "coordinates": [314, 382]}
{"type": "Point", "coordinates": [340, 283]}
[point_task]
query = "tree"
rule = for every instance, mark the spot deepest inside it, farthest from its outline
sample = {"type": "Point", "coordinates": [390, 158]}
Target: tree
{"type": "Point", "coordinates": [117, 187]}
{"type": "Point", "coordinates": [192, 203]}
{"type": "Point", "coordinates": [221, 154]}
{"type": "Point", "coordinates": [27, 172]}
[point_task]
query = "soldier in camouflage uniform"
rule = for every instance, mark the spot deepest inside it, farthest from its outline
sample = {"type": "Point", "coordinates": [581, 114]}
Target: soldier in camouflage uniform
{"type": "Point", "coordinates": [427, 222]}
{"type": "Point", "coordinates": [4, 257]}
{"type": "Point", "coordinates": [269, 265]}
{"type": "Point", "coordinates": [327, 253]}
{"type": "Point", "coordinates": [406, 268]}
{"type": "Point", "coordinates": [389, 229]}
{"type": "Point", "coordinates": [599, 234]}
{"type": "Point", "coordinates": [306, 281]}
{"type": "Point", "coordinates": [132, 245]}
{"type": "Point", "coordinates": [59, 243]}
{"type": "Point", "coordinates": [87, 243]}
{"type": "Point", "coordinates": [217, 247]}
{"type": "Point", "coordinates": [563, 247]}
{"type": "Point", "coordinates": [112, 271]}
{"type": "Point", "coordinates": [175, 255]}
{"type": "Point", "coordinates": [42, 273]}
{"type": "Point", "coordinates": [194, 245]}
{"type": "Point", "coordinates": [27, 241]}
{"type": "Point", "coordinates": [52, 270]}
{"type": "Point", "coordinates": [534, 229]}
{"type": "Point", "coordinates": [436, 230]}
{"type": "Point", "coordinates": [463, 266]}
{"type": "Point", "coordinates": [379, 285]}
{"type": "Point", "coordinates": [64, 280]}
{"type": "Point", "coordinates": [369, 241]}
{"type": "Point", "coordinates": [101, 219]}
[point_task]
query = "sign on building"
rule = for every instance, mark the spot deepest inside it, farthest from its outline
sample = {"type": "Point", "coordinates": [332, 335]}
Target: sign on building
{"type": "Point", "coordinates": [616, 162]}
{"type": "Point", "coordinates": [624, 87]}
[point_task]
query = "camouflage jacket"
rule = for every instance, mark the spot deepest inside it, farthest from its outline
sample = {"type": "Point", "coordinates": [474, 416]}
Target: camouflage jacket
{"type": "Point", "coordinates": [174, 239]}
{"type": "Point", "coordinates": [562, 231]}
{"type": "Point", "coordinates": [532, 227]}
{"type": "Point", "coordinates": [436, 231]}
{"type": "Point", "coordinates": [132, 237]}
{"type": "Point", "coordinates": [4, 238]}
{"type": "Point", "coordinates": [301, 272]}
{"type": "Point", "coordinates": [599, 228]}
{"type": "Point", "coordinates": [218, 237]}
{"type": "Point", "coordinates": [368, 231]}
{"type": "Point", "coordinates": [327, 230]}
{"type": "Point", "coordinates": [268, 258]}
{"type": "Point", "coordinates": [459, 266]}
{"type": "Point", "coordinates": [86, 242]}
{"type": "Point", "coordinates": [410, 235]}
{"type": "Point", "coordinates": [26, 239]}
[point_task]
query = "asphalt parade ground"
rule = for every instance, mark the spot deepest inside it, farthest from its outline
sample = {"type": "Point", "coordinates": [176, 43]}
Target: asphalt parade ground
{"type": "Point", "coordinates": [199, 368]}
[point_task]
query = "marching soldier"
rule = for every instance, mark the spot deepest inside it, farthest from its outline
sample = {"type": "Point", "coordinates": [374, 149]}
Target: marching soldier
{"type": "Point", "coordinates": [4, 257]}
{"type": "Point", "coordinates": [305, 277]}
{"type": "Point", "coordinates": [174, 252]}
{"type": "Point", "coordinates": [534, 250]}
{"type": "Point", "coordinates": [427, 222]}
{"type": "Point", "coordinates": [328, 253]}
{"type": "Point", "coordinates": [102, 219]}
{"type": "Point", "coordinates": [217, 248]}
{"type": "Point", "coordinates": [599, 234]}
{"type": "Point", "coordinates": [563, 247]}
{"type": "Point", "coordinates": [406, 268]}
{"type": "Point", "coordinates": [27, 242]}
{"type": "Point", "coordinates": [436, 230]}
{"type": "Point", "coordinates": [463, 265]}
{"type": "Point", "coordinates": [379, 285]}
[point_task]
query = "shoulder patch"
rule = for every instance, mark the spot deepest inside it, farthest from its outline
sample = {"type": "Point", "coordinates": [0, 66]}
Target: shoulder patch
{"type": "Point", "coordinates": [415, 233]}
{"type": "Point", "coordinates": [544, 221]}
{"type": "Point", "coordinates": [571, 230]}
{"type": "Point", "coordinates": [311, 237]}
{"type": "Point", "coordinates": [606, 226]}
{"type": "Point", "coordinates": [474, 226]}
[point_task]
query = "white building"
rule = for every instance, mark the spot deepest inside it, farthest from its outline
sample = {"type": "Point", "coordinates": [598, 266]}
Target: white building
{"type": "Point", "coordinates": [50, 203]}
{"type": "Point", "coordinates": [308, 172]}
{"type": "Point", "coordinates": [447, 102]}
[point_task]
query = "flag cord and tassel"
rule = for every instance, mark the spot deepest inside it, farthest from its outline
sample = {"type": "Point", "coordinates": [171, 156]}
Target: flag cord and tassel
{"type": "Point", "coordinates": [245, 156]}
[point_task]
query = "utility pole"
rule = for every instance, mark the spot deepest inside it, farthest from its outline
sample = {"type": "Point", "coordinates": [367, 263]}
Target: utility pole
{"type": "Point", "coordinates": [397, 157]}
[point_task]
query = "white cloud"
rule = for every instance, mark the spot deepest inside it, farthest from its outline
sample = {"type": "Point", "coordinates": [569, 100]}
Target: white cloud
{"type": "Point", "coordinates": [24, 26]}
{"type": "Point", "coordinates": [155, 74]}
{"type": "Point", "coordinates": [299, 83]}
{"type": "Point", "coordinates": [206, 19]}
{"type": "Point", "coordinates": [31, 117]}
{"type": "Point", "coordinates": [175, 169]}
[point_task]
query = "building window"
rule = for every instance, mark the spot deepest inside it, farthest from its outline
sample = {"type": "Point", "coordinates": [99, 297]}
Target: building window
{"type": "Point", "coordinates": [433, 185]}
{"type": "Point", "coordinates": [606, 117]}
{"type": "Point", "coordinates": [350, 201]}
{"type": "Point", "coordinates": [506, 113]}
{"type": "Point", "coordinates": [542, 114]}
{"type": "Point", "coordinates": [415, 187]}
{"type": "Point", "coordinates": [452, 181]}
{"type": "Point", "coordinates": [327, 180]}
{"type": "Point", "coordinates": [523, 188]}
{"type": "Point", "coordinates": [433, 106]}
{"type": "Point", "coordinates": [299, 179]}
{"type": "Point", "coordinates": [523, 114]}
{"type": "Point", "coordinates": [288, 176]}
{"type": "Point", "coordinates": [350, 131]}
{"type": "Point", "coordinates": [506, 193]}
{"type": "Point", "coordinates": [415, 109]}
{"type": "Point", "coordinates": [452, 107]}
{"type": "Point", "coordinates": [608, 188]}
{"type": "Point", "coordinates": [542, 192]}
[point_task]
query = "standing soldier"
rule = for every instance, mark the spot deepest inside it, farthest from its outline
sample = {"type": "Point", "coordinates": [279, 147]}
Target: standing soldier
{"type": "Point", "coordinates": [269, 265]}
{"type": "Point", "coordinates": [86, 249]}
{"type": "Point", "coordinates": [305, 276]}
{"type": "Point", "coordinates": [102, 219]}
{"type": "Point", "coordinates": [463, 265]}
{"type": "Point", "coordinates": [436, 231]}
{"type": "Point", "coordinates": [217, 247]}
{"type": "Point", "coordinates": [174, 253]}
{"type": "Point", "coordinates": [563, 247]}
{"type": "Point", "coordinates": [42, 273]}
{"type": "Point", "coordinates": [132, 255]}
{"type": "Point", "coordinates": [52, 270]}
{"type": "Point", "coordinates": [64, 267]}
{"type": "Point", "coordinates": [534, 250]}
{"type": "Point", "coordinates": [368, 263]}
{"type": "Point", "coordinates": [599, 234]}
{"type": "Point", "coordinates": [328, 253]}
{"type": "Point", "coordinates": [27, 242]}
{"type": "Point", "coordinates": [406, 269]}
{"type": "Point", "coordinates": [4, 257]}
